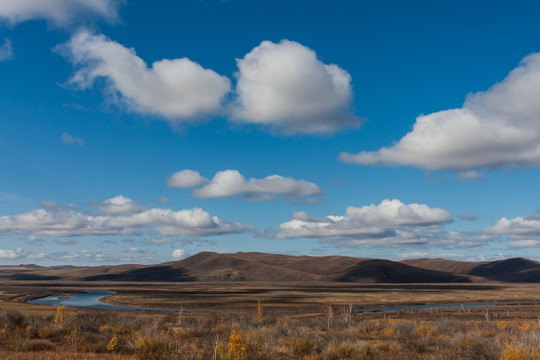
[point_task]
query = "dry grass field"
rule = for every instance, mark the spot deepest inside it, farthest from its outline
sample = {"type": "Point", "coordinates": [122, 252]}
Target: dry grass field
{"type": "Point", "coordinates": [505, 332]}
{"type": "Point", "coordinates": [322, 325]}
{"type": "Point", "coordinates": [300, 296]}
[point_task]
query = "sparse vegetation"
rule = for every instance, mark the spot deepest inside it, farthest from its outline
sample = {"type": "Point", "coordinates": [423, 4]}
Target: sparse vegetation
{"type": "Point", "coordinates": [442, 334]}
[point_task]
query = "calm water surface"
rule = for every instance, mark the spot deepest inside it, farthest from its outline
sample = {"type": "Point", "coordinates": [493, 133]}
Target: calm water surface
{"type": "Point", "coordinates": [90, 299]}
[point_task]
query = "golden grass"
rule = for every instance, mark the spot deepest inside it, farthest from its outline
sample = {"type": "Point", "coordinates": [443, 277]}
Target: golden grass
{"type": "Point", "coordinates": [62, 355]}
{"type": "Point", "coordinates": [257, 332]}
{"type": "Point", "coordinates": [510, 333]}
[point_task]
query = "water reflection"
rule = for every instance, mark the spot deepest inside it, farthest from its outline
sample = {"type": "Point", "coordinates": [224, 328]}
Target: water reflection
{"type": "Point", "coordinates": [90, 299]}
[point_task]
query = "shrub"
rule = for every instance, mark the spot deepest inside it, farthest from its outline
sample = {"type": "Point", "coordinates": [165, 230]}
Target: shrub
{"type": "Point", "coordinates": [15, 320]}
{"type": "Point", "coordinates": [236, 346]}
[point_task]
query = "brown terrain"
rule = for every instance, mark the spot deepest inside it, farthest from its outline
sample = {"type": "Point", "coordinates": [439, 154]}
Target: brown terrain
{"type": "Point", "coordinates": [256, 306]}
{"type": "Point", "coordinates": [236, 281]}
{"type": "Point", "coordinates": [262, 267]}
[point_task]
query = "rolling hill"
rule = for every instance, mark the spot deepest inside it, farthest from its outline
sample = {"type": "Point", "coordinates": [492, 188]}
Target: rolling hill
{"type": "Point", "coordinates": [509, 270]}
{"type": "Point", "coordinates": [263, 267]}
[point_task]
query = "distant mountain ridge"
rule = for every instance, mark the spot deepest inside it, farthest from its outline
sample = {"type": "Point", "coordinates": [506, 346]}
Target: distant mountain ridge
{"type": "Point", "coordinates": [264, 267]}
{"type": "Point", "coordinates": [508, 270]}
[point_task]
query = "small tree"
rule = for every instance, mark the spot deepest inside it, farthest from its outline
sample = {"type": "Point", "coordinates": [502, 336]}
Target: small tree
{"type": "Point", "coordinates": [236, 346]}
{"type": "Point", "coordinates": [259, 311]}
{"type": "Point", "coordinates": [329, 311]}
{"type": "Point", "coordinates": [60, 316]}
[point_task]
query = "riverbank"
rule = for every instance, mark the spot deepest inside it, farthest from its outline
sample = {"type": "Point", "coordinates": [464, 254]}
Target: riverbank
{"type": "Point", "coordinates": [284, 297]}
{"type": "Point", "coordinates": [92, 299]}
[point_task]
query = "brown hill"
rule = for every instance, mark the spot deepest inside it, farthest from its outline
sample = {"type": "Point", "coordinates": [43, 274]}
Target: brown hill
{"type": "Point", "coordinates": [208, 266]}
{"type": "Point", "coordinates": [254, 266]}
{"type": "Point", "coordinates": [449, 266]}
{"type": "Point", "coordinates": [511, 270]}
{"type": "Point", "coordinates": [386, 271]}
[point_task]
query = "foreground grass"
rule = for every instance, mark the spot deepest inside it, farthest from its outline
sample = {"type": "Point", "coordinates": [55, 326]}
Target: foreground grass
{"type": "Point", "coordinates": [337, 333]}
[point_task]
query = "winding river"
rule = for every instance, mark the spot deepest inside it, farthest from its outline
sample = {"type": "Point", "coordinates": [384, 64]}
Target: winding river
{"type": "Point", "coordinates": [91, 299]}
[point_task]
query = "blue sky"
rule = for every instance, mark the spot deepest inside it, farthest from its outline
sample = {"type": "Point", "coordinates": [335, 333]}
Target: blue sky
{"type": "Point", "coordinates": [133, 132]}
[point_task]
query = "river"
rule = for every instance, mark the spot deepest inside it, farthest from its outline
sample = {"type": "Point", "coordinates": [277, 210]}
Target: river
{"type": "Point", "coordinates": [91, 299]}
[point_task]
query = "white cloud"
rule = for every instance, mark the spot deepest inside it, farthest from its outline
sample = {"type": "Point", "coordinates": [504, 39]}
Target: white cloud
{"type": "Point", "coordinates": [178, 253]}
{"type": "Point", "coordinates": [33, 240]}
{"type": "Point", "coordinates": [118, 205]}
{"type": "Point", "coordinates": [389, 223]}
{"type": "Point", "coordinates": [6, 51]}
{"type": "Point", "coordinates": [57, 12]}
{"type": "Point", "coordinates": [395, 213]}
{"type": "Point", "coordinates": [70, 140]}
{"type": "Point", "coordinates": [231, 183]}
{"type": "Point", "coordinates": [19, 253]}
{"type": "Point", "coordinates": [160, 241]}
{"type": "Point", "coordinates": [470, 175]}
{"type": "Point", "coordinates": [67, 242]}
{"type": "Point", "coordinates": [135, 250]}
{"type": "Point", "coordinates": [179, 90]}
{"type": "Point", "coordinates": [521, 232]}
{"type": "Point", "coordinates": [186, 179]}
{"type": "Point", "coordinates": [281, 86]}
{"type": "Point", "coordinates": [524, 243]}
{"type": "Point", "coordinates": [427, 254]}
{"type": "Point", "coordinates": [496, 128]}
{"type": "Point", "coordinates": [423, 237]}
{"type": "Point", "coordinates": [415, 255]}
{"type": "Point", "coordinates": [162, 200]}
{"type": "Point", "coordinates": [10, 254]}
{"type": "Point", "coordinates": [515, 226]}
{"type": "Point", "coordinates": [67, 221]}
{"type": "Point", "coordinates": [31, 255]}
{"type": "Point", "coordinates": [285, 86]}
{"type": "Point", "coordinates": [491, 257]}
{"type": "Point", "coordinates": [467, 217]}
{"type": "Point", "coordinates": [89, 257]}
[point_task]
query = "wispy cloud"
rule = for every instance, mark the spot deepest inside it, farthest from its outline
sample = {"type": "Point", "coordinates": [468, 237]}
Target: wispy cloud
{"type": "Point", "coordinates": [6, 50]}
{"type": "Point", "coordinates": [71, 140]}
{"type": "Point", "coordinates": [468, 217]}
{"type": "Point", "coordinates": [58, 12]}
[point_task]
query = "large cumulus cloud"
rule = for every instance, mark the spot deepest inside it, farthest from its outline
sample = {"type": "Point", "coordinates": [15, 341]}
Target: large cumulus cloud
{"type": "Point", "coordinates": [179, 90]}
{"type": "Point", "coordinates": [285, 86]}
{"type": "Point", "coordinates": [389, 223]}
{"type": "Point", "coordinates": [496, 128]}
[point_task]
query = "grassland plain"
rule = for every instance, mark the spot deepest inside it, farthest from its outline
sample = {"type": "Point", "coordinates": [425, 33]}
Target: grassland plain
{"type": "Point", "coordinates": [330, 329]}
{"type": "Point", "coordinates": [505, 332]}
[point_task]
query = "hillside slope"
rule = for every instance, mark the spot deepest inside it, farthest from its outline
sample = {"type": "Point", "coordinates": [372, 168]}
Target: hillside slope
{"type": "Point", "coordinates": [263, 267]}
